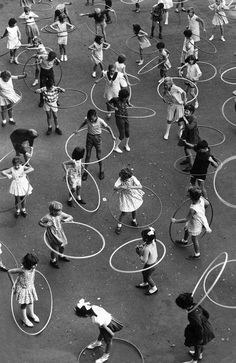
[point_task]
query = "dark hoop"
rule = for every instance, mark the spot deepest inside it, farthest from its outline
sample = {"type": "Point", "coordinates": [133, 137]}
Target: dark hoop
{"type": "Point", "coordinates": [25, 50]}
{"type": "Point", "coordinates": [48, 30]}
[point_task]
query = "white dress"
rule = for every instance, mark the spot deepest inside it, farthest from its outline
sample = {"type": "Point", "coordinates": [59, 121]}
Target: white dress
{"type": "Point", "coordinates": [97, 53]}
{"type": "Point", "coordinates": [199, 218]}
{"type": "Point", "coordinates": [143, 40]}
{"type": "Point", "coordinates": [120, 67]}
{"type": "Point", "coordinates": [25, 290]}
{"type": "Point", "coordinates": [74, 174]}
{"type": "Point", "coordinates": [194, 26]}
{"type": "Point", "coordinates": [13, 41]}
{"type": "Point", "coordinates": [193, 72]}
{"type": "Point", "coordinates": [20, 185]}
{"type": "Point", "coordinates": [114, 85]}
{"type": "Point", "coordinates": [129, 199]}
{"type": "Point", "coordinates": [219, 18]}
{"type": "Point", "coordinates": [62, 35]}
{"type": "Point", "coordinates": [7, 92]}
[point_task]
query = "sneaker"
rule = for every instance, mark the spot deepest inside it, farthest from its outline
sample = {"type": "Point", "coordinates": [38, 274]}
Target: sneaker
{"type": "Point", "coordinates": [193, 257]}
{"type": "Point", "coordinates": [140, 62]}
{"type": "Point", "coordinates": [191, 352]}
{"type": "Point", "coordinates": [84, 176]}
{"type": "Point", "coordinates": [222, 38]}
{"type": "Point", "coordinates": [16, 61]}
{"type": "Point", "coordinates": [183, 9]}
{"type": "Point", "coordinates": [94, 74]}
{"type": "Point", "coordinates": [191, 361]}
{"type": "Point", "coordinates": [118, 150]}
{"type": "Point", "coordinates": [70, 203]}
{"type": "Point", "coordinates": [103, 358]}
{"type": "Point", "coordinates": [49, 130]}
{"type": "Point", "coordinates": [27, 323]}
{"type": "Point", "coordinates": [35, 82]}
{"type": "Point", "coordinates": [35, 318]}
{"type": "Point", "coordinates": [108, 115]}
{"type": "Point", "coordinates": [127, 148]}
{"type": "Point", "coordinates": [211, 38]}
{"type": "Point", "coordinates": [143, 285]}
{"type": "Point", "coordinates": [65, 58]}
{"type": "Point", "coordinates": [58, 131]}
{"type": "Point", "coordinates": [134, 223]}
{"type": "Point", "coordinates": [81, 201]}
{"type": "Point", "coordinates": [95, 344]}
{"type": "Point", "coordinates": [101, 175]}
{"type": "Point", "coordinates": [151, 292]}
{"type": "Point", "coordinates": [11, 60]}
{"type": "Point", "coordinates": [17, 213]}
{"type": "Point", "coordinates": [181, 242]}
{"type": "Point", "coordinates": [196, 104]}
{"type": "Point", "coordinates": [3, 267]}
{"type": "Point", "coordinates": [54, 264]}
{"type": "Point", "coordinates": [4, 122]}
{"type": "Point", "coordinates": [23, 213]}
{"type": "Point", "coordinates": [62, 58]}
{"type": "Point", "coordinates": [137, 60]}
{"type": "Point", "coordinates": [118, 230]}
{"type": "Point", "coordinates": [176, 10]}
{"type": "Point", "coordinates": [165, 137]}
{"type": "Point", "coordinates": [12, 121]}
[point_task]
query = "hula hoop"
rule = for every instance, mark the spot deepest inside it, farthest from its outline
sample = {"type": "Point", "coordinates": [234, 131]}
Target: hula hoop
{"type": "Point", "coordinates": [227, 65]}
{"type": "Point", "coordinates": [50, 6]}
{"type": "Point", "coordinates": [171, 223]}
{"type": "Point", "coordinates": [132, 76]}
{"type": "Point", "coordinates": [214, 283]}
{"type": "Point", "coordinates": [118, 339]}
{"type": "Point", "coordinates": [223, 111]}
{"type": "Point", "coordinates": [187, 172]}
{"type": "Point", "coordinates": [138, 227]}
{"type": "Point", "coordinates": [207, 293]}
{"type": "Point", "coordinates": [182, 78]}
{"type": "Point", "coordinates": [51, 308]}
{"type": "Point", "coordinates": [77, 104]}
{"type": "Point", "coordinates": [132, 2]}
{"type": "Point", "coordinates": [75, 200]}
{"type": "Point", "coordinates": [4, 157]}
{"type": "Point", "coordinates": [137, 51]}
{"type": "Point", "coordinates": [142, 269]}
{"type": "Point", "coordinates": [78, 257]}
{"type": "Point", "coordinates": [209, 42]}
{"type": "Point", "coordinates": [222, 75]}
{"type": "Point", "coordinates": [226, 161]}
{"type": "Point", "coordinates": [13, 256]}
{"type": "Point", "coordinates": [207, 79]}
{"type": "Point", "coordinates": [140, 71]}
{"type": "Point", "coordinates": [48, 30]}
{"type": "Point", "coordinates": [90, 162]}
{"type": "Point", "coordinates": [25, 50]}
{"type": "Point", "coordinates": [219, 132]}
{"type": "Point", "coordinates": [30, 87]}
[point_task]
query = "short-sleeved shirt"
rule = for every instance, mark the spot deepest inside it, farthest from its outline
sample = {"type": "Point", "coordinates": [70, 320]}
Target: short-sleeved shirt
{"type": "Point", "coordinates": [122, 111]}
{"type": "Point", "coordinates": [45, 63]}
{"type": "Point", "coordinates": [19, 136]}
{"type": "Point", "coordinates": [102, 318]}
{"type": "Point", "coordinates": [191, 132]}
{"type": "Point", "coordinates": [98, 17]}
{"type": "Point", "coordinates": [95, 128]}
{"type": "Point", "coordinates": [157, 13]}
{"type": "Point", "coordinates": [201, 163]}
{"type": "Point", "coordinates": [51, 95]}
{"type": "Point", "coordinates": [174, 95]}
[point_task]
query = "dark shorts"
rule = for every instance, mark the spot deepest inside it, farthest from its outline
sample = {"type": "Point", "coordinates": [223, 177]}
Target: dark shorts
{"type": "Point", "coordinates": [147, 273]}
{"type": "Point", "coordinates": [115, 326]}
{"type": "Point", "coordinates": [94, 141]}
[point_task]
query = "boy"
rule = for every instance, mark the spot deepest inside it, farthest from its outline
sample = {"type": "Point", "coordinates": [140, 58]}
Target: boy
{"type": "Point", "coordinates": [94, 139]}
{"type": "Point", "coordinates": [21, 139]}
{"type": "Point", "coordinates": [50, 96]}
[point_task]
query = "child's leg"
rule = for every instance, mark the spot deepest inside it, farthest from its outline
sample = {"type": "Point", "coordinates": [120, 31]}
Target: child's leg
{"type": "Point", "coordinates": [189, 156]}
{"type": "Point", "coordinates": [17, 205]}
{"type": "Point", "coordinates": [94, 70]}
{"type": "Point", "coordinates": [103, 26]}
{"type": "Point", "coordinates": [152, 29]}
{"type": "Point", "coordinates": [32, 315]}
{"type": "Point", "coordinates": [10, 112]}
{"type": "Point", "coordinates": [61, 51]}
{"type": "Point", "coordinates": [14, 56]}
{"type": "Point", "coordinates": [166, 17]}
{"type": "Point", "coordinates": [96, 28]}
{"type": "Point", "coordinates": [11, 56]}
{"type": "Point", "coordinates": [141, 54]}
{"type": "Point", "coordinates": [121, 128]}
{"type": "Point", "coordinates": [98, 145]}
{"type": "Point", "coordinates": [63, 258]}
{"type": "Point", "coordinates": [4, 115]}
{"type": "Point", "coordinates": [24, 318]}
{"type": "Point", "coordinates": [192, 93]}
{"type": "Point", "coordinates": [64, 49]}
{"type": "Point", "coordinates": [89, 146]}
{"type": "Point", "coordinates": [119, 225]}
{"type": "Point", "coordinates": [127, 148]}
{"type": "Point", "coordinates": [213, 30]}
{"type": "Point", "coordinates": [201, 184]}
{"type": "Point", "coordinates": [196, 51]}
{"type": "Point", "coordinates": [22, 202]}
{"type": "Point", "coordinates": [196, 246]}
{"type": "Point", "coordinates": [54, 114]}
{"type": "Point", "coordinates": [49, 114]}
{"type": "Point", "coordinates": [101, 66]}
{"type": "Point", "coordinates": [186, 235]}
{"type": "Point", "coordinates": [109, 109]}
{"type": "Point", "coordinates": [160, 29]}
{"type": "Point", "coordinates": [221, 30]}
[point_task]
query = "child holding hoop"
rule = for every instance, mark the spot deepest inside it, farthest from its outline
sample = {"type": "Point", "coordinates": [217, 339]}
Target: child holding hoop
{"type": "Point", "coordinates": [13, 34]}
{"type": "Point", "coordinates": [61, 26]}
{"type": "Point", "coordinates": [195, 220]}
{"type": "Point", "coordinates": [168, 4]}
{"type": "Point", "coordinates": [188, 46]}
{"type": "Point", "coordinates": [31, 27]}
{"type": "Point", "coordinates": [55, 234]}
{"type": "Point", "coordinates": [163, 59]}
{"type": "Point", "coordinates": [24, 288]}
{"type": "Point", "coordinates": [219, 18]}
{"type": "Point", "coordinates": [199, 331]}
{"type": "Point", "coordinates": [62, 10]}
{"type": "Point", "coordinates": [97, 54]}
{"type": "Point", "coordinates": [107, 325]}
{"type": "Point", "coordinates": [143, 41]}
{"type": "Point", "coordinates": [99, 17]}
{"type": "Point", "coordinates": [73, 169]}
{"type": "Point", "coordinates": [20, 186]}
{"type": "Point", "coordinates": [194, 23]}
{"type": "Point", "coordinates": [157, 17]}
{"type": "Point", "coordinates": [130, 196]}
{"type": "Point", "coordinates": [40, 51]}
{"type": "Point", "coordinates": [148, 255]}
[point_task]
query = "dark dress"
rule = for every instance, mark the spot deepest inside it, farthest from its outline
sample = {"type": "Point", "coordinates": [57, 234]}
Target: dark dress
{"type": "Point", "coordinates": [191, 133]}
{"type": "Point", "coordinates": [199, 331]}
{"type": "Point", "coordinates": [201, 163]}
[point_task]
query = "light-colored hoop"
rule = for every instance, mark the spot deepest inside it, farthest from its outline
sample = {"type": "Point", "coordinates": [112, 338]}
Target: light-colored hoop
{"type": "Point", "coordinates": [13, 256]}
{"type": "Point", "coordinates": [4, 157]}
{"type": "Point", "coordinates": [77, 104]}
{"type": "Point", "coordinates": [142, 269]}
{"type": "Point", "coordinates": [222, 75]}
{"type": "Point", "coordinates": [187, 172]}
{"type": "Point", "coordinates": [141, 70]}
{"type": "Point", "coordinates": [50, 6]}
{"type": "Point", "coordinates": [219, 132]}
{"type": "Point", "coordinates": [19, 93]}
{"type": "Point", "coordinates": [78, 257]}
{"type": "Point", "coordinates": [50, 314]}
{"type": "Point", "coordinates": [26, 50]}
{"type": "Point", "coordinates": [182, 78]}
{"type": "Point", "coordinates": [223, 110]}
{"type": "Point", "coordinates": [133, 2]}
{"type": "Point", "coordinates": [207, 79]}
{"type": "Point", "coordinates": [48, 30]}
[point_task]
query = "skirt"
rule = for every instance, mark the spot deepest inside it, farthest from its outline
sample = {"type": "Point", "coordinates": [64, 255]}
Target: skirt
{"type": "Point", "coordinates": [32, 30]}
{"type": "Point", "coordinates": [114, 325]}
{"type": "Point", "coordinates": [145, 43]}
{"type": "Point", "coordinates": [220, 19]}
{"type": "Point", "coordinates": [56, 238]}
{"type": "Point", "coordinates": [62, 39]}
{"type": "Point", "coordinates": [74, 181]}
{"type": "Point", "coordinates": [20, 187]}
{"type": "Point", "coordinates": [13, 44]}
{"type": "Point", "coordinates": [26, 295]}
{"type": "Point", "coordinates": [130, 201]}
{"type": "Point", "coordinates": [10, 97]}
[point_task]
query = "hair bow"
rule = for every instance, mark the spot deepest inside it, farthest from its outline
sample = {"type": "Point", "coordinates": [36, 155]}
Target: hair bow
{"type": "Point", "coordinates": [151, 232]}
{"type": "Point", "coordinates": [82, 303]}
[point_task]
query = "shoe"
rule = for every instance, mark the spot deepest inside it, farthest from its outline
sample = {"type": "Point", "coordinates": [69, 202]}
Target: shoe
{"type": "Point", "coordinates": [95, 344]}
{"type": "Point", "coordinates": [58, 131]}
{"type": "Point", "coordinates": [222, 38]}
{"type": "Point", "coordinates": [101, 175]}
{"type": "Point", "coordinates": [184, 162]}
{"type": "Point", "coordinates": [103, 358]}
{"type": "Point", "coordinates": [40, 104]}
{"type": "Point", "coordinates": [4, 122]}
{"type": "Point", "coordinates": [27, 323]}
{"type": "Point", "coordinates": [65, 58]}
{"type": "Point", "coordinates": [64, 258]}
{"type": "Point", "coordinates": [191, 361]}
{"type": "Point", "coordinates": [193, 257]}
{"type": "Point", "coordinates": [118, 230]}
{"type": "Point", "coordinates": [70, 203]}
{"type": "Point", "coordinates": [54, 264]}
{"type": "Point", "coordinates": [181, 242]}
{"type": "Point", "coordinates": [211, 38]}
{"type": "Point", "coordinates": [3, 267]}
{"type": "Point", "coordinates": [165, 137]}
{"type": "Point", "coordinates": [12, 121]}
{"type": "Point", "coordinates": [23, 213]}
{"type": "Point", "coordinates": [17, 213]}
{"type": "Point", "coordinates": [149, 293]}
{"type": "Point", "coordinates": [176, 10]}
{"type": "Point", "coordinates": [35, 83]}
{"type": "Point", "coordinates": [11, 60]}
{"type": "Point", "coordinates": [134, 224]}
{"type": "Point", "coordinates": [16, 61]}
{"type": "Point", "coordinates": [143, 285]}
{"type": "Point", "coordinates": [94, 74]}
{"type": "Point", "coordinates": [62, 58]}
{"type": "Point", "coordinates": [160, 36]}
{"type": "Point", "coordinates": [108, 115]}
{"type": "Point", "coordinates": [81, 201]}
{"type": "Point", "coordinates": [49, 130]}
{"type": "Point", "coordinates": [84, 176]}
{"type": "Point", "coordinates": [35, 318]}
{"type": "Point", "coordinates": [118, 150]}
{"type": "Point", "coordinates": [184, 10]}
{"type": "Point", "coordinates": [127, 148]}
{"type": "Point", "coordinates": [140, 62]}
{"type": "Point", "coordinates": [191, 353]}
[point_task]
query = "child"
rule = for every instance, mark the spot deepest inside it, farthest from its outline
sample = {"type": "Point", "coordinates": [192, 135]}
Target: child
{"type": "Point", "coordinates": [188, 46]}
{"type": "Point", "coordinates": [143, 41]}
{"type": "Point", "coordinates": [130, 196]}
{"type": "Point", "coordinates": [168, 4]}
{"type": "Point", "coordinates": [163, 59]}
{"type": "Point", "coordinates": [201, 163]}
{"type": "Point", "coordinates": [179, 2]}
{"type": "Point", "coordinates": [107, 325]}
{"type": "Point", "coordinates": [108, 6]}
{"type": "Point", "coordinates": [31, 27]}
{"type": "Point", "coordinates": [94, 139]}
{"type": "Point", "coordinates": [20, 186]}
{"type": "Point", "coordinates": [60, 26]}
{"type": "Point", "coordinates": [55, 234]}
{"type": "Point", "coordinates": [189, 135]}
{"type": "Point", "coordinates": [62, 10]}
{"type": "Point", "coordinates": [2, 266]}
{"type": "Point", "coordinates": [73, 170]}
{"type": "Point", "coordinates": [97, 53]}
{"type": "Point", "coordinates": [193, 74]}
{"type": "Point", "coordinates": [194, 23]}
{"type": "Point", "coordinates": [14, 39]}
{"type": "Point", "coordinates": [148, 254]}
{"type": "Point", "coordinates": [199, 331]}
{"type": "Point", "coordinates": [195, 220]}
{"type": "Point", "coordinates": [50, 95]}
{"type": "Point", "coordinates": [137, 7]}
{"type": "Point", "coordinates": [219, 18]}
{"type": "Point", "coordinates": [157, 17]}
{"type": "Point", "coordinates": [119, 104]}
{"type": "Point", "coordinates": [99, 17]}
{"type": "Point", "coordinates": [22, 139]}
{"type": "Point", "coordinates": [40, 50]}
{"type": "Point", "coordinates": [24, 288]}
{"type": "Point", "coordinates": [8, 96]}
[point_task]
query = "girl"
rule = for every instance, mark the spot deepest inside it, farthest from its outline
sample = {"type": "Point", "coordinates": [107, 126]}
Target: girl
{"type": "Point", "coordinates": [14, 39]}
{"type": "Point", "coordinates": [24, 288]}
{"type": "Point", "coordinates": [97, 53]}
{"type": "Point", "coordinates": [120, 64]}
{"type": "Point", "coordinates": [40, 50]}
{"type": "Point", "coordinates": [219, 18]}
{"type": "Point", "coordinates": [107, 324]}
{"type": "Point", "coordinates": [148, 254]}
{"type": "Point", "coordinates": [157, 17]}
{"type": "Point", "coordinates": [168, 4]}
{"type": "Point", "coordinates": [31, 28]}
{"type": "Point", "coordinates": [2, 266]}
{"type": "Point", "coordinates": [194, 23]}
{"type": "Point", "coordinates": [163, 59]}
{"type": "Point", "coordinates": [188, 46]}
{"type": "Point", "coordinates": [130, 196]}
{"type": "Point", "coordinates": [199, 331]}
{"type": "Point", "coordinates": [193, 74]}
{"type": "Point", "coordinates": [20, 186]}
{"type": "Point", "coordinates": [73, 170]}
{"type": "Point", "coordinates": [8, 96]}
{"type": "Point", "coordinates": [181, 3]}
{"type": "Point", "coordinates": [60, 27]}
{"type": "Point", "coordinates": [143, 41]}
{"type": "Point", "coordinates": [195, 220]}
{"type": "Point", "coordinates": [55, 234]}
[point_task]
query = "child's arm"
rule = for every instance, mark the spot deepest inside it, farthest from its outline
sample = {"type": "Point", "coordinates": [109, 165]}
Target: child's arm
{"type": "Point", "coordinates": [144, 256]}
{"type": "Point", "coordinates": [45, 222]}
{"type": "Point", "coordinates": [20, 76]}
{"type": "Point", "coordinates": [66, 164]}
{"type": "Point", "coordinates": [7, 173]}
{"type": "Point", "coordinates": [33, 15]}
{"type": "Point", "coordinates": [84, 123]}
{"type": "Point", "coordinates": [184, 220]}
{"type": "Point", "coordinates": [85, 14]}
{"type": "Point", "coordinates": [4, 34]}
{"type": "Point", "coordinates": [28, 169]}
{"type": "Point", "coordinates": [66, 217]}
{"type": "Point", "coordinates": [61, 89]}
{"type": "Point", "coordinates": [201, 22]}
{"type": "Point", "coordinates": [71, 26]}
{"type": "Point", "coordinates": [213, 162]}
{"type": "Point", "coordinates": [110, 131]}
{"type": "Point", "coordinates": [92, 47]}
{"type": "Point", "coordinates": [53, 26]}
{"type": "Point", "coordinates": [12, 272]}
{"type": "Point", "coordinates": [108, 330]}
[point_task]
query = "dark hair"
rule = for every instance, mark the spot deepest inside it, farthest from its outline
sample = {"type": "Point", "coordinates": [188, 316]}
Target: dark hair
{"type": "Point", "coordinates": [202, 144]}
{"type": "Point", "coordinates": [57, 13]}
{"type": "Point", "coordinates": [12, 22]}
{"type": "Point", "coordinates": [123, 93]}
{"type": "Point", "coordinates": [121, 58]}
{"type": "Point", "coordinates": [194, 193]}
{"type": "Point", "coordinates": [189, 58]}
{"type": "Point", "coordinates": [83, 312]}
{"type": "Point", "coordinates": [91, 113]}
{"type": "Point", "coordinates": [26, 8]}
{"type": "Point", "coordinates": [51, 55]}
{"type": "Point", "coordinates": [136, 28]}
{"type": "Point", "coordinates": [146, 237]}
{"type": "Point", "coordinates": [61, 17]}
{"type": "Point", "coordinates": [125, 174]}
{"type": "Point", "coordinates": [188, 33]}
{"type": "Point", "coordinates": [184, 300]}
{"type": "Point", "coordinates": [160, 45]}
{"type": "Point", "coordinates": [160, 6]}
{"type": "Point", "coordinates": [110, 67]}
{"type": "Point", "coordinates": [49, 83]}
{"type": "Point", "coordinates": [190, 9]}
{"type": "Point", "coordinates": [29, 261]}
{"type": "Point", "coordinates": [98, 39]}
{"type": "Point", "coordinates": [78, 153]}
{"type": "Point", "coordinates": [16, 160]}
{"type": "Point", "coordinates": [190, 107]}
